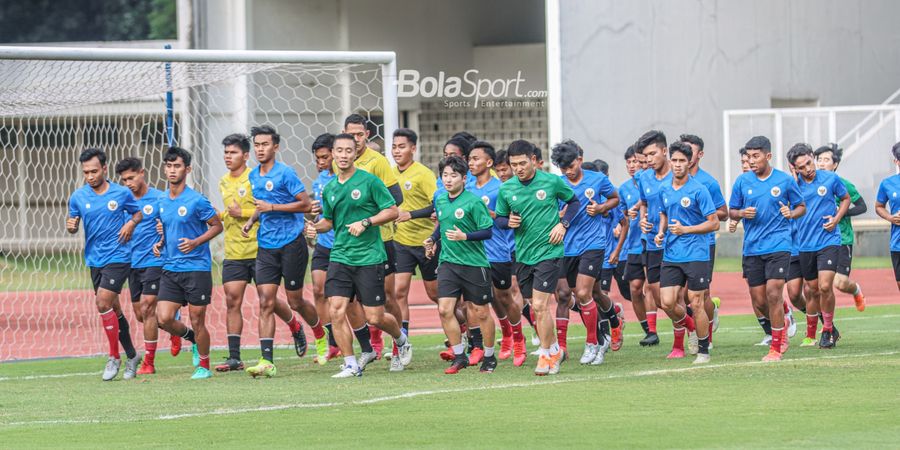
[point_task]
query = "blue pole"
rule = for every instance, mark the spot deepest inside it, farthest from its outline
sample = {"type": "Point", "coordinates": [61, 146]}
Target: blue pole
{"type": "Point", "coordinates": [170, 108]}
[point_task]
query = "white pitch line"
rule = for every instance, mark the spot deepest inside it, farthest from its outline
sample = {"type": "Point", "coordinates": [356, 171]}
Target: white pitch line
{"type": "Point", "coordinates": [413, 394]}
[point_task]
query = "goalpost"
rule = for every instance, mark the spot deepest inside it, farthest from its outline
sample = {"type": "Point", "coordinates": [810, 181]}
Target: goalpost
{"type": "Point", "coordinates": [54, 102]}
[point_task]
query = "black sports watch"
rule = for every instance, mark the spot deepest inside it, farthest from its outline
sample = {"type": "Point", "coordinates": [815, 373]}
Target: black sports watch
{"type": "Point", "coordinates": [366, 222]}
{"type": "Point", "coordinates": [565, 224]}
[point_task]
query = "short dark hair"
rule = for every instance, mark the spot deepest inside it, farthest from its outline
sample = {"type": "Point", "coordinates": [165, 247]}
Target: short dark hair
{"type": "Point", "coordinates": [692, 139]}
{"type": "Point", "coordinates": [91, 153]}
{"type": "Point", "coordinates": [324, 140]}
{"type": "Point", "coordinates": [588, 165]}
{"type": "Point", "coordinates": [629, 152]}
{"type": "Point", "coordinates": [343, 136]}
{"type": "Point", "coordinates": [241, 140]}
{"type": "Point", "coordinates": [896, 151]}
{"type": "Point", "coordinates": [602, 166]}
{"type": "Point", "coordinates": [681, 147]}
{"type": "Point", "coordinates": [799, 150]}
{"type": "Point", "coordinates": [521, 147]}
{"type": "Point", "coordinates": [455, 163]}
{"type": "Point", "coordinates": [465, 135]}
{"type": "Point", "coordinates": [651, 137]}
{"type": "Point", "coordinates": [266, 130]}
{"type": "Point", "coordinates": [355, 118]}
{"type": "Point", "coordinates": [759, 143]}
{"type": "Point", "coordinates": [565, 153]}
{"type": "Point", "coordinates": [486, 147]}
{"type": "Point", "coordinates": [460, 142]}
{"type": "Point", "coordinates": [173, 153]}
{"type": "Point", "coordinates": [836, 152]}
{"type": "Point", "coordinates": [409, 134]}
{"type": "Point", "coordinates": [502, 158]}
{"type": "Point", "coordinates": [130, 163]}
{"type": "Point", "coordinates": [537, 153]}
{"type": "Point", "coordinates": [742, 151]}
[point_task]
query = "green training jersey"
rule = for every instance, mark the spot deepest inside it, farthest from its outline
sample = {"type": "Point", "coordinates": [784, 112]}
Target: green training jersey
{"type": "Point", "coordinates": [361, 196]}
{"type": "Point", "coordinates": [538, 204]}
{"type": "Point", "coordinates": [845, 224]}
{"type": "Point", "coordinates": [468, 213]}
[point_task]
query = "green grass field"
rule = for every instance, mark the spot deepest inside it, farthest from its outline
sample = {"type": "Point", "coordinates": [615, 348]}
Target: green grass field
{"type": "Point", "coordinates": [815, 398]}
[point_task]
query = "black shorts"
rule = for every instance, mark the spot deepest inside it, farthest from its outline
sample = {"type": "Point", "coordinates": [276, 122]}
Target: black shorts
{"type": "Point", "coordinates": [238, 270]}
{"type": "Point", "coordinates": [653, 263]}
{"type": "Point", "coordinates": [320, 258]}
{"type": "Point", "coordinates": [825, 259]}
{"type": "Point", "coordinates": [288, 262]}
{"type": "Point", "coordinates": [712, 261]}
{"type": "Point", "coordinates": [695, 274]}
{"type": "Point", "coordinates": [540, 277]}
{"type": "Point", "coordinates": [144, 281]}
{"type": "Point", "coordinates": [634, 268]}
{"type": "Point", "coordinates": [407, 258]}
{"type": "Point", "coordinates": [624, 288]}
{"type": "Point", "coordinates": [390, 266]}
{"type": "Point", "coordinates": [365, 283]}
{"type": "Point", "coordinates": [845, 260]}
{"type": "Point", "coordinates": [771, 266]}
{"type": "Point", "coordinates": [895, 261]}
{"type": "Point", "coordinates": [501, 274]}
{"type": "Point", "coordinates": [606, 278]}
{"type": "Point", "coordinates": [470, 282]}
{"type": "Point", "coordinates": [186, 288]}
{"type": "Point", "coordinates": [589, 263]}
{"type": "Point", "coordinates": [794, 271]}
{"type": "Point", "coordinates": [110, 277]}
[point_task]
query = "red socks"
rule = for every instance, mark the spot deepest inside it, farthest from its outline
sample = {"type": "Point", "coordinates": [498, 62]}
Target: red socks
{"type": "Point", "coordinates": [589, 316]}
{"type": "Point", "coordinates": [517, 332]}
{"type": "Point", "coordinates": [505, 327]}
{"type": "Point", "coordinates": [777, 337]}
{"type": "Point", "coordinates": [149, 352]}
{"type": "Point", "coordinates": [651, 321]}
{"type": "Point", "coordinates": [204, 361]}
{"type": "Point", "coordinates": [562, 329]}
{"type": "Point", "coordinates": [294, 325]}
{"type": "Point", "coordinates": [686, 322]}
{"type": "Point", "coordinates": [318, 331]}
{"type": "Point", "coordinates": [111, 328]}
{"type": "Point", "coordinates": [679, 338]}
{"type": "Point", "coordinates": [828, 319]}
{"type": "Point", "coordinates": [812, 325]}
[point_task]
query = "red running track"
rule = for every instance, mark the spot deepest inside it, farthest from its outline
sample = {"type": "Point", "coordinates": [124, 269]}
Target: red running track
{"type": "Point", "coordinates": [65, 323]}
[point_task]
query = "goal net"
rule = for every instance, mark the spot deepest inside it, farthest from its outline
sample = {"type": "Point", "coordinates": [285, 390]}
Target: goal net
{"type": "Point", "coordinates": [54, 102]}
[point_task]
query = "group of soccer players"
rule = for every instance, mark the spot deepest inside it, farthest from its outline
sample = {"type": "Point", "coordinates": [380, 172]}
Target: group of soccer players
{"type": "Point", "coordinates": [492, 235]}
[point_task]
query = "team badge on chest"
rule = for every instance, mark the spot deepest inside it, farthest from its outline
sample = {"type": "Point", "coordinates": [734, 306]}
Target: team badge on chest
{"type": "Point", "coordinates": [821, 191]}
{"type": "Point", "coordinates": [269, 185]}
{"type": "Point", "coordinates": [685, 202]}
{"type": "Point", "coordinates": [355, 194]}
{"type": "Point", "coordinates": [589, 193]}
{"type": "Point", "coordinates": [459, 213]}
{"type": "Point", "coordinates": [112, 205]}
{"type": "Point", "coordinates": [776, 191]}
{"type": "Point", "coordinates": [182, 211]}
{"type": "Point", "coordinates": [148, 209]}
{"type": "Point", "coordinates": [540, 194]}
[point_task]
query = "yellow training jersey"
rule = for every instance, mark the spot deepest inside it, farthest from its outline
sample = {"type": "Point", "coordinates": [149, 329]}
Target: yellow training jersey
{"type": "Point", "coordinates": [238, 190]}
{"type": "Point", "coordinates": [376, 164]}
{"type": "Point", "coordinates": [418, 185]}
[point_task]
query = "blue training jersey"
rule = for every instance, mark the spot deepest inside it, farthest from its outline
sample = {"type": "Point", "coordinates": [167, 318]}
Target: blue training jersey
{"type": "Point", "coordinates": [497, 247]}
{"type": "Point", "coordinates": [145, 234]}
{"type": "Point", "coordinates": [182, 217]}
{"type": "Point", "coordinates": [650, 188]}
{"type": "Point", "coordinates": [715, 192]}
{"type": "Point", "coordinates": [279, 186]}
{"type": "Point", "coordinates": [609, 226]}
{"type": "Point", "coordinates": [769, 231]}
{"type": "Point", "coordinates": [587, 232]}
{"type": "Point", "coordinates": [689, 205]}
{"type": "Point", "coordinates": [888, 192]}
{"type": "Point", "coordinates": [103, 215]}
{"type": "Point", "coordinates": [819, 197]}
{"type": "Point", "coordinates": [628, 197]}
{"type": "Point", "coordinates": [324, 239]}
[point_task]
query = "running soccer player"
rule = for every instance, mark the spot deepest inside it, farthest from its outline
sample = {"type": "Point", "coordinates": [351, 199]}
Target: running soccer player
{"type": "Point", "coordinates": [146, 268]}
{"type": "Point", "coordinates": [507, 305]}
{"type": "Point", "coordinates": [464, 222]}
{"type": "Point", "coordinates": [189, 222]}
{"type": "Point", "coordinates": [828, 157]}
{"type": "Point", "coordinates": [818, 238]}
{"type": "Point", "coordinates": [886, 198]}
{"type": "Point", "coordinates": [688, 215]}
{"type": "Point", "coordinates": [529, 204]}
{"type": "Point", "coordinates": [585, 241]}
{"type": "Point", "coordinates": [375, 163]}
{"type": "Point", "coordinates": [766, 199]}
{"type": "Point", "coordinates": [633, 272]}
{"type": "Point", "coordinates": [282, 253]}
{"type": "Point", "coordinates": [413, 223]}
{"type": "Point", "coordinates": [104, 207]}
{"type": "Point", "coordinates": [322, 243]}
{"type": "Point", "coordinates": [354, 204]}
{"type": "Point", "coordinates": [616, 226]}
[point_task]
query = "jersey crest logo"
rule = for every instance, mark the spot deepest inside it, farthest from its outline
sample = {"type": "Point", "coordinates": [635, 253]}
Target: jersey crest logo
{"type": "Point", "coordinates": [540, 194]}
{"type": "Point", "coordinates": [749, 191]}
{"type": "Point", "coordinates": [821, 191]}
{"type": "Point", "coordinates": [589, 193]}
{"type": "Point", "coordinates": [242, 191]}
{"type": "Point", "coordinates": [112, 205]}
{"type": "Point", "coordinates": [88, 205]}
{"type": "Point", "coordinates": [355, 194]}
{"type": "Point", "coordinates": [269, 185]}
{"type": "Point", "coordinates": [182, 211]}
{"type": "Point", "coordinates": [685, 202]}
{"type": "Point", "coordinates": [148, 209]}
{"type": "Point", "coordinates": [407, 185]}
{"type": "Point", "coordinates": [776, 191]}
{"type": "Point", "coordinates": [459, 213]}
{"type": "Point", "coordinates": [486, 200]}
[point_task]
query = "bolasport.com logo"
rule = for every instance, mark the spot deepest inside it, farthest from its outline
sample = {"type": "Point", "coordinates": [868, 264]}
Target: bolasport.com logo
{"type": "Point", "coordinates": [470, 90]}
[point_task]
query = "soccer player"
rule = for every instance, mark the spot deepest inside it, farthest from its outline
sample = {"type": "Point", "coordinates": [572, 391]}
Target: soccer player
{"type": "Point", "coordinates": [506, 304]}
{"type": "Point", "coordinates": [354, 204]}
{"type": "Point", "coordinates": [585, 242]}
{"type": "Point", "coordinates": [688, 215]}
{"type": "Point", "coordinates": [105, 207]}
{"type": "Point", "coordinates": [828, 157]}
{"type": "Point", "coordinates": [464, 222]}
{"type": "Point", "coordinates": [615, 223]}
{"type": "Point", "coordinates": [375, 163]}
{"type": "Point", "coordinates": [322, 243]}
{"type": "Point", "coordinates": [146, 268]}
{"type": "Point", "coordinates": [886, 198]}
{"type": "Point", "coordinates": [818, 237]}
{"type": "Point", "coordinates": [282, 254]}
{"type": "Point", "coordinates": [766, 199]}
{"type": "Point", "coordinates": [529, 204]}
{"type": "Point", "coordinates": [189, 222]}
{"type": "Point", "coordinates": [413, 223]}
{"type": "Point", "coordinates": [633, 272]}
